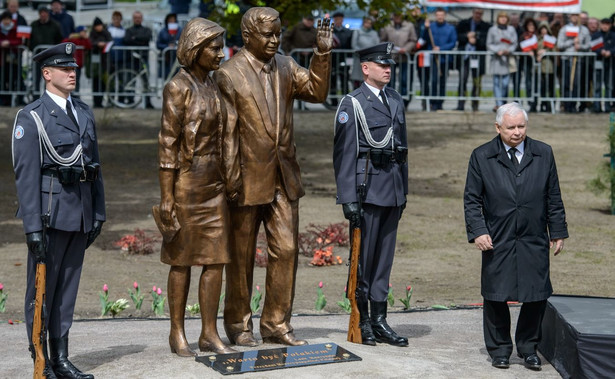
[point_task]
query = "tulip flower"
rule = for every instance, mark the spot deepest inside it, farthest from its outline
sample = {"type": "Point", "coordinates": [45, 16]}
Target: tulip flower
{"type": "Point", "coordinates": [135, 285]}
{"type": "Point", "coordinates": [159, 291]}
{"type": "Point", "coordinates": [105, 288]}
{"type": "Point", "coordinates": [1, 286]}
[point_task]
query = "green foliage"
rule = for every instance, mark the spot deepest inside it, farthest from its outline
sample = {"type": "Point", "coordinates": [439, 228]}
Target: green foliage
{"type": "Point", "coordinates": [255, 302]}
{"type": "Point", "coordinates": [3, 297]}
{"type": "Point", "coordinates": [118, 306]}
{"type": "Point", "coordinates": [321, 300]}
{"type": "Point", "coordinates": [390, 296]}
{"type": "Point", "coordinates": [345, 304]}
{"type": "Point", "coordinates": [228, 14]}
{"type": "Point", "coordinates": [194, 309]}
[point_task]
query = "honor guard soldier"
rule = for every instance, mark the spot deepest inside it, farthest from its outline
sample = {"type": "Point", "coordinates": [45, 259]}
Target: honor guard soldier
{"type": "Point", "coordinates": [370, 160]}
{"type": "Point", "coordinates": [61, 197]}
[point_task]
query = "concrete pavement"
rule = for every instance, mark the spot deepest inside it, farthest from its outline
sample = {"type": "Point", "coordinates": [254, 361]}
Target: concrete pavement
{"type": "Point", "coordinates": [443, 344]}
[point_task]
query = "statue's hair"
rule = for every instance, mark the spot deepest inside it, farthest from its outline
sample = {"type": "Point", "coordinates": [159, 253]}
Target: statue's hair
{"type": "Point", "coordinates": [255, 16]}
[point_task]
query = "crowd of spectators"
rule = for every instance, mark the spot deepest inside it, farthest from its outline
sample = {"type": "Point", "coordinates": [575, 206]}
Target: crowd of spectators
{"type": "Point", "coordinates": [516, 51]}
{"type": "Point", "coordinates": [518, 47]}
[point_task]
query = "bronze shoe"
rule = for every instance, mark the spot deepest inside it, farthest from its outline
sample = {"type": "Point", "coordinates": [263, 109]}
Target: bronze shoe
{"type": "Point", "coordinates": [286, 339]}
{"type": "Point", "coordinates": [217, 347]}
{"type": "Point", "coordinates": [179, 345]}
{"type": "Point", "coordinates": [243, 339]}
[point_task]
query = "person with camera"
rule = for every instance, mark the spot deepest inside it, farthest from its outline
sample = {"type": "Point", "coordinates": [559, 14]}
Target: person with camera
{"type": "Point", "coordinates": [371, 171]}
{"type": "Point", "coordinates": [61, 197]}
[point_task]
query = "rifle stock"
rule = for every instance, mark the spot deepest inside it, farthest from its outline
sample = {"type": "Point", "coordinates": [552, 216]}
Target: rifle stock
{"type": "Point", "coordinates": [354, 331]}
{"type": "Point", "coordinates": [38, 325]}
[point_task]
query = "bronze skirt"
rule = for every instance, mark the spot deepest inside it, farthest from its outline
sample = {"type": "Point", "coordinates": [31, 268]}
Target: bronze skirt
{"type": "Point", "coordinates": [201, 208]}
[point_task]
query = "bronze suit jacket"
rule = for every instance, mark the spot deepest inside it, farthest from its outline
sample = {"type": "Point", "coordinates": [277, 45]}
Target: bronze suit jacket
{"type": "Point", "coordinates": [255, 146]}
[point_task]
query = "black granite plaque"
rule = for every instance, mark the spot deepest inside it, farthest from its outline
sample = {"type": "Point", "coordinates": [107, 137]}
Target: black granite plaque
{"type": "Point", "coordinates": [273, 359]}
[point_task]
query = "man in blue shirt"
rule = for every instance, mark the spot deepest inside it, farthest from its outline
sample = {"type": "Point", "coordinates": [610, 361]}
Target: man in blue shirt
{"type": "Point", "coordinates": [440, 36]}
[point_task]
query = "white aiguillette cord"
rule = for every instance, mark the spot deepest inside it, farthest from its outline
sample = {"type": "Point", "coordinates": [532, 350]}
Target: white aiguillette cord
{"type": "Point", "coordinates": [53, 154]}
{"type": "Point", "coordinates": [360, 117]}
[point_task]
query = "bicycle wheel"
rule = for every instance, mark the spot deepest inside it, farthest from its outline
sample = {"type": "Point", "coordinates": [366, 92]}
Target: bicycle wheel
{"type": "Point", "coordinates": [125, 88]}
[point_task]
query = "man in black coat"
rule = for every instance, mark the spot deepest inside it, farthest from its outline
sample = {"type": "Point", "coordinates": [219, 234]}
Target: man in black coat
{"type": "Point", "coordinates": [514, 214]}
{"type": "Point", "coordinates": [469, 63]}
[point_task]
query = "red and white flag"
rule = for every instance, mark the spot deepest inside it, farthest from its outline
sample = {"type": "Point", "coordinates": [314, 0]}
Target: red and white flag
{"type": "Point", "coordinates": [108, 47]}
{"type": "Point", "coordinates": [597, 44]}
{"type": "Point", "coordinates": [420, 43]}
{"type": "Point", "coordinates": [173, 28]}
{"type": "Point", "coordinates": [572, 31]}
{"type": "Point", "coordinates": [24, 31]}
{"type": "Point", "coordinates": [549, 41]}
{"type": "Point", "coordinates": [529, 44]}
{"type": "Point", "coordinates": [505, 40]}
{"type": "Point", "coordinates": [424, 59]}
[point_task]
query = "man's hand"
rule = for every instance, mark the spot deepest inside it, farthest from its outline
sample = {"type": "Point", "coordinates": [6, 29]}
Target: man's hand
{"type": "Point", "coordinates": [324, 36]}
{"type": "Point", "coordinates": [96, 228]}
{"type": "Point", "coordinates": [559, 245]}
{"type": "Point", "coordinates": [352, 213]}
{"type": "Point", "coordinates": [401, 210]}
{"type": "Point", "coordinates": [36, 246]}
{"type": "Point", "coordinates": [483, 242]}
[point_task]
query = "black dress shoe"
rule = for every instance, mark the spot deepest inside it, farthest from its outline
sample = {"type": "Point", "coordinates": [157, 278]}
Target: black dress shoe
{"type": "Point", "coordinates": [500, 362]}
{"type": "Point", "coordinates": [531, 361]}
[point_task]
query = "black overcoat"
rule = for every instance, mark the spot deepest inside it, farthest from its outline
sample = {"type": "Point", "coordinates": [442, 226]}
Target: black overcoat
{"type": "Point", "coordinates": [521, 212]}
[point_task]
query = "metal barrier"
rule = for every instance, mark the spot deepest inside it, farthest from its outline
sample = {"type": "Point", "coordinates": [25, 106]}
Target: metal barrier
{"type": "Point", "coordinates": [128, 76]}
{"type": "Point", "coordinates": [461, 76]}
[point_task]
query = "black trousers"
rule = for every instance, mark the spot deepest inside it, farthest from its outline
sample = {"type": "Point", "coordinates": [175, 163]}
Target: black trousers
{"type": "Point", "coordinates": [496, 327]}
{"type": "Point", "coordinates": [65, 253]}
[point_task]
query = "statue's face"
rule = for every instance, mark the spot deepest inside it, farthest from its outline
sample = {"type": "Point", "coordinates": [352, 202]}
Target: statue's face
{"type": "Point", "coordinates": [263, 43]}
{"type": "Point", "coordinates": [212, 55]}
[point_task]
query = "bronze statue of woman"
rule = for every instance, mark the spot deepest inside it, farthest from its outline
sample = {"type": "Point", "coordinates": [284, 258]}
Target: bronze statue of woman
{"type": "Point", "coordinates": [192, 190]}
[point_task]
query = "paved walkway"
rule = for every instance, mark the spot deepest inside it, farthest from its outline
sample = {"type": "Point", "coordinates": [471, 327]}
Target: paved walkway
{"type": "Point", "coordinates": [443, 344]}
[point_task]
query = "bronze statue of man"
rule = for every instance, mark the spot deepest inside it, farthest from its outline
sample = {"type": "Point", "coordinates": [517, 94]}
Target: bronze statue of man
{"type": "Point", "coordinates": [258, 87]}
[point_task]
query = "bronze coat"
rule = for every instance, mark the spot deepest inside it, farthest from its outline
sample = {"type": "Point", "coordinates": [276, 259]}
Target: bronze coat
{"type": "Point", "coordinates": [256, 148]}
{"type": "Point", "coordinates": [189, 142]}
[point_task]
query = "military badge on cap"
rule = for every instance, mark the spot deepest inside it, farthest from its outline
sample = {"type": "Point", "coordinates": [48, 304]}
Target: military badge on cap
{"type": "Point", "coordinates": [342, 118]}
{"type": "Point", "coordinates": [380, 53]}
{"type": "Point", "coordinates": [19, 132]}
{"type": "Point", "coordinates": [57, 56]}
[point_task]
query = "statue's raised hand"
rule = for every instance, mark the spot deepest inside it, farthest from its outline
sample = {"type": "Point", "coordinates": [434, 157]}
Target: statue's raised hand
{"type": "Point", "coordinates": [324, 36]}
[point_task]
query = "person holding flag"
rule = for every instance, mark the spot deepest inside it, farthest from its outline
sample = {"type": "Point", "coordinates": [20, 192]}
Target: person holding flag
{"type": "Point", "coordinates": [571, 39]}
{"type": "Point", "coordinates": [603, 44]}
{"type": "Point", "coordinates": [502, 41]}
{"type": "Point", "coordinates": [479, 28]}
{"type": "Point", "coordinates": [546, 43]}
{"type": "Point", "coordinates": [528, 42]}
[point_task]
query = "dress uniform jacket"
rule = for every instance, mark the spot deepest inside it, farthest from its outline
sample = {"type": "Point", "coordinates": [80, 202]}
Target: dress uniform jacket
{"type": "Point", "coordinates": [521, 212]}
{"type": "Point", "coordinates": [384, 187]}
{"type": "Point", "coordinates": [74, 207]}
{"type": "Point", "coordinates": [256, 148]}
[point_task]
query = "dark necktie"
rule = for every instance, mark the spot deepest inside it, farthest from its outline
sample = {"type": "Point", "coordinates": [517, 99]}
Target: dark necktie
{"type": "Point", "coordinates": [70, 114]}
{"type": "Point", "coordinates": [513, 158]}
{"type": "Point", "coordinates": [384, 100]}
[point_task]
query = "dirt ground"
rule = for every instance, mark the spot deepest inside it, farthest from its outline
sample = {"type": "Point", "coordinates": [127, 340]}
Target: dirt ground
{"type": "Point", "coordinates": [432, 251]}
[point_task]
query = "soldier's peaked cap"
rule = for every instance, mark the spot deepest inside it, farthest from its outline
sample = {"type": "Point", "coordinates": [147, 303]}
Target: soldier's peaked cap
{"type": "Point", "coordinates": [380, 53]}
{"type": "Point", "coordinates": [58, 56]}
